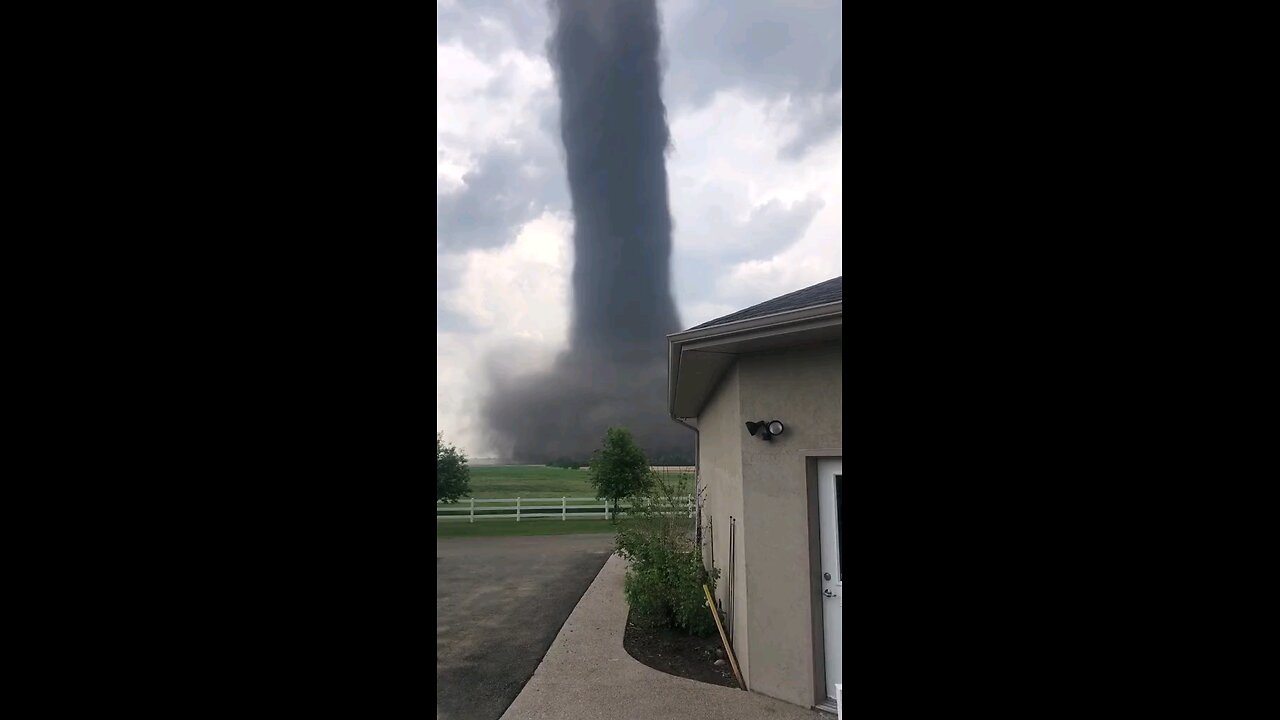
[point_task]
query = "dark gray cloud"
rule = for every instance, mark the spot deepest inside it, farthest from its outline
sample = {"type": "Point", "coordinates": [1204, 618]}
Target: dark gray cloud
{"type": "Point", "coordinates": [771, 49]}
{"type": "Point", "coordinates": [768, 48]}
{"type": "Point", "coordinates": [614, 128]}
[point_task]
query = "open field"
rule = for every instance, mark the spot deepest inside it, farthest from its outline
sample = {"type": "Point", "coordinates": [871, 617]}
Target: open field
{"type": "Point", "coordinates": [537, 485]}
{"type": "Point", "coordinates": [510, 481]}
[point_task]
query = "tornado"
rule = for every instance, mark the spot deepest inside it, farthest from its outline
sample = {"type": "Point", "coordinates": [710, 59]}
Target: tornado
{"type": "Point", "coordinates": [614, 129]}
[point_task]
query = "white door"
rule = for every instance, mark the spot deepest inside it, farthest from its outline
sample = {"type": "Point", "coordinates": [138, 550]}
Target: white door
{"type": "Point", "coordinates": [830, 492]}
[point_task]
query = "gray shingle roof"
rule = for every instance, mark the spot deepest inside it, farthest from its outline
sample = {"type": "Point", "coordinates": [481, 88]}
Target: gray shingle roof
{"type": "Point", "coordinates": [824, 292]}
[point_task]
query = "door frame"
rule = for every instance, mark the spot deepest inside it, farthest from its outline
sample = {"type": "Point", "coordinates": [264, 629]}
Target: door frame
{"type": "Point", "coordinates": [819, 638]}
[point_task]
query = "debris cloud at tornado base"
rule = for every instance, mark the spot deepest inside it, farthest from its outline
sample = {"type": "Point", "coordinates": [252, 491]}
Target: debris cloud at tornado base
{"type": "Point", "coordinates": [614, 130]}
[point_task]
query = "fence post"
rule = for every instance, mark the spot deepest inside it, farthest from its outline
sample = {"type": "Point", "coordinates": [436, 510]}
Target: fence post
{"type": "Point", "coordinates": [517, 509]}
{"type": "Point", "coordinates": [563, 511]}
{"type": "Point", "coordinates": [473, 509]}
{"type": "Point", "coordinates": [606, 508]}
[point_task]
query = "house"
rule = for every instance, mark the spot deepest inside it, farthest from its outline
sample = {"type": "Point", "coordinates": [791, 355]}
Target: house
{"type": "Point", "coordinates": [762, 389]}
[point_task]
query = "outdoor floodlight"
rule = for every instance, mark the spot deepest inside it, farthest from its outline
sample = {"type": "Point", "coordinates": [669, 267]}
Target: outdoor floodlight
{"type": "Point", "coordinates": [765, 429]}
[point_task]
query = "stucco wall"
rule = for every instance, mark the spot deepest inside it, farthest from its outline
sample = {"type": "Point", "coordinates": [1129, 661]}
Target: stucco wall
{"type": "Point", "coordinates": [802, 388]}
{"type": "Point", "coordinates": [720, 467]}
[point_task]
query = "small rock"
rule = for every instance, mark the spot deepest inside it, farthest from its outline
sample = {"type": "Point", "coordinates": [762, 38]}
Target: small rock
{"type": "Point", "coordinates": [718, 662]}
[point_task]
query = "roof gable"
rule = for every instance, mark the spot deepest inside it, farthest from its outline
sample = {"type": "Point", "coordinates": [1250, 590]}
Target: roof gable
{"type": "Point", "coordinates": [824, 292]}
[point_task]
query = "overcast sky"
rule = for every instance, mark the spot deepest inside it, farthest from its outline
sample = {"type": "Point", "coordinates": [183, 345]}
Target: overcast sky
{"type": "Point", "coordinates": [754, 98]}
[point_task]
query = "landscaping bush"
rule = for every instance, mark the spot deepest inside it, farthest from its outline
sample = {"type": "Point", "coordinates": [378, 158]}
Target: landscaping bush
{"type": "Point", "coordinates": [663, 586]}
{"type": "Point", "coordinates": [646, 594]}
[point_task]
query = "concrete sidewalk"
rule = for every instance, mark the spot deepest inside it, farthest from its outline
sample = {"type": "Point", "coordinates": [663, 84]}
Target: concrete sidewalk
{"type": "Point", "coordinates": [587, 675]}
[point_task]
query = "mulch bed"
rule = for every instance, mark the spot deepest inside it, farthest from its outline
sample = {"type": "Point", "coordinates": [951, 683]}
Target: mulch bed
{"type": "Point", "coordinates": [678, 654]}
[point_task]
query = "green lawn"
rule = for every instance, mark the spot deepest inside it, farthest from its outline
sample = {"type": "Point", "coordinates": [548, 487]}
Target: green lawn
{"type": "Point", "coordinates": [527, 481]}
{"type": "Point", "coordinates": [507, 526]}
{"type": "Point", "coordinates": [510, 481]}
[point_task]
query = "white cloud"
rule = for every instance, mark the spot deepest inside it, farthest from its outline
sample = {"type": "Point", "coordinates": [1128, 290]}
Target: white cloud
{"type": "Point", "coordinates": [482, 104]}
{"type": "Point", "coordinates": [521, 289]}
{"type": "Point", "coordinates": [517, 297]}
{"type": "Point", "coordinates": [727, 165]}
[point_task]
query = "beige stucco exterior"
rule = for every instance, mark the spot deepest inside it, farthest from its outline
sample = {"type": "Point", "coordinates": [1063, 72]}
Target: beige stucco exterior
{"type": "Point", "coordinates": [767, 487]}
{"type": "Point", "coordinates": [720, 476]}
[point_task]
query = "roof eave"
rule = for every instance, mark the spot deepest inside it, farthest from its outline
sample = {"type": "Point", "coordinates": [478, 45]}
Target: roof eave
{"type": "Point", "coordinates": [757, 323]}
{"type": "Point", "coordinates": [773, 325]}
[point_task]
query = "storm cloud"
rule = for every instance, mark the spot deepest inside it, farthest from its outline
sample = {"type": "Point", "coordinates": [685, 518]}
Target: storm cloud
{"type": "Point", "coordinates": [614, 128]}
{"type": "Point", "coordinates": [752, 96]}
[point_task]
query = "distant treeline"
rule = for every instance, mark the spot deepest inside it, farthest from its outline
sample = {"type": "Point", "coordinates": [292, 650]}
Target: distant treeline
{"type": "Point", "coordinates": [567, 463]}
{"type": "Point", "coordinates": [658, 460]}
{"type": "Point", "coordinates": [673, 458]}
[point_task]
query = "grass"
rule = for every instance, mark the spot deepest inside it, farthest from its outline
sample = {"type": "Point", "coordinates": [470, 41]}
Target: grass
{"type": "Point", "coordinates": [527, 481]}
{"type": "Point", "coordinates": [510, 481]}
{"type": "Point", "coordinates": [524, 481]}
{"type": "Point", "coordinates": [505, 526]}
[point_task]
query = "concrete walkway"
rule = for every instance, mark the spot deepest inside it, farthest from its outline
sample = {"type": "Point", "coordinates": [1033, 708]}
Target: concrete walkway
{"type": "Point", "coordinates": [587, 675]}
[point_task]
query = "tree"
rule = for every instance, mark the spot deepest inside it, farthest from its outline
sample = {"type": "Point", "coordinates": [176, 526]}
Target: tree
{"type": "Point", "coordinates": [665, 573]}
{"type": "Point", "coordinates": [453, 477]}
{"type": "Point", "coordinates": [619, 470]}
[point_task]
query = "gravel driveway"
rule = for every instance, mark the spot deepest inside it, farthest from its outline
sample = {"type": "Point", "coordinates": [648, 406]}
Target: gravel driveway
{"type": "Point", "coordinates": [500, 601]}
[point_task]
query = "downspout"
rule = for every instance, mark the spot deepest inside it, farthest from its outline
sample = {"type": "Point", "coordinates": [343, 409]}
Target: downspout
{"type": "Point", "coordinates": [697, 445]}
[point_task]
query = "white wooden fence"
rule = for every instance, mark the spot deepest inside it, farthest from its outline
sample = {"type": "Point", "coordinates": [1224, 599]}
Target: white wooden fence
{"type": "Point", "coordinates": [583, 508]}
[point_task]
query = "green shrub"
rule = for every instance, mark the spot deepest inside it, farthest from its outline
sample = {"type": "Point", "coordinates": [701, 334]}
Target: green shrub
{"type": "Point", "coordinates": [663, 586]}
{"type": "Point", "coordinates": [688, 601]}
{"type": "Point", "coordinates": [646, 594]}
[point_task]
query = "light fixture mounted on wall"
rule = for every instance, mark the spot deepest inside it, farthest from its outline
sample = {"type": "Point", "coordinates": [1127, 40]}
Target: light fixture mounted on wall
{"type": "Point", "coordinates": [765, 429]}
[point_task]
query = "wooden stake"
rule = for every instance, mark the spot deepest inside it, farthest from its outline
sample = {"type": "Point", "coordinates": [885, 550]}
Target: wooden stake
{"type": "Point", "coordinates": [733, 662]}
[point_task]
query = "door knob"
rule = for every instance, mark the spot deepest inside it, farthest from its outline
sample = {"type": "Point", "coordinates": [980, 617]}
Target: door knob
{"type": "Point", "coordinates": [828, 593]}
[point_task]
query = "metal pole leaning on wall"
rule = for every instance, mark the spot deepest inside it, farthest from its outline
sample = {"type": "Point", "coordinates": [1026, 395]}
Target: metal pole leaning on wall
{"type": "Point", "coordinates": [711, 541]}
{"type": "Point", "coordinates": [733, 534]}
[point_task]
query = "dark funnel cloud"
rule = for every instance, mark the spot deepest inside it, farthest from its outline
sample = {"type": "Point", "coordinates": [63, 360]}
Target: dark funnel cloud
{"type": "Point", "coordinates": [613, 125]}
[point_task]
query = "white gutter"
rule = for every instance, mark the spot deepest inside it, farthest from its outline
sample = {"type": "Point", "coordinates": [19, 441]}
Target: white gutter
{"type": "Point", "coordinates": [725, 331]}
{"type": "Point", "coordinates": [756, 323]}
